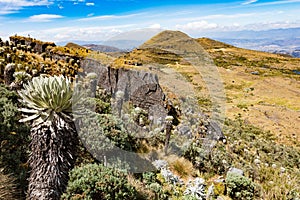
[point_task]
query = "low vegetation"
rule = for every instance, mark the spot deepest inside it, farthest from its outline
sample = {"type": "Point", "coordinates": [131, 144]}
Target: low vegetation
{"type": "Point", "coordinates": [94, 181]}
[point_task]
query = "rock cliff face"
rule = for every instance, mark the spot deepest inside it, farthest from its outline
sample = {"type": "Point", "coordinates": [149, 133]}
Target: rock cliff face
{"type": "Point", "coordinates": [140, 87]}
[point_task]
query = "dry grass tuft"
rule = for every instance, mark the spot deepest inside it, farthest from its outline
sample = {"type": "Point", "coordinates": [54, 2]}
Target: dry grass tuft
{"type": "Point", "coordinates": [7, 186]}
{"type": "Point", "coordinates": [181, 167]}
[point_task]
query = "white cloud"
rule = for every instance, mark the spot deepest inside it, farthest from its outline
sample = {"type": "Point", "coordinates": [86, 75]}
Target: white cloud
{"type": "Point", "coordinates": [216, 17]}
{"type": "Point", "coordinates": [276, 2]}
{"type": "Point", "coordinates": [6, 11]}
{"type": "Point", "coordinates": [11, 6]}
{"type": "Point", "coordinates": [91, 14]}
{"type": "Point", "coordinates": [24, 3]}
{"type": "Point", "coordinates": [231, 16]}
{"type": "Point", "coordinates": [60, 6]}
{"type": "Point", "coordinates": [72, 33]}
{"type": "Point", "coordinates": [197, 26]}
{"type": "Point", "coordinates": [108, 17]}
{"type": "Point", "coordinates": [155, 26]}
{"type": "Point", "coordinates": [272, 25]}
{"type": "Point", "coordinates": [249, 2]}
{"type": "Point", "coordinates": [44, 18]}
{"type": "Point", "coordinates": [90, 4]}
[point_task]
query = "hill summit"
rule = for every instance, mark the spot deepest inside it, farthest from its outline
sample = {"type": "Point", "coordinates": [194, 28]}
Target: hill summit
{"type": "Point", "coordinates": [174, 41]}
{"type": "Point", "coordinates": [74, 46]}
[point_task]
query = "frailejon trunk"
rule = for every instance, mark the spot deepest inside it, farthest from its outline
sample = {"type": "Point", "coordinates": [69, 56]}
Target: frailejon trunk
{"type": "Point", "coordinates": [53, 149]}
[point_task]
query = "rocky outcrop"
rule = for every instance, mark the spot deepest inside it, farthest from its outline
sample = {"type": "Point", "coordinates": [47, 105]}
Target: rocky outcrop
{"type": "Point", "coordinates": [140, 87]}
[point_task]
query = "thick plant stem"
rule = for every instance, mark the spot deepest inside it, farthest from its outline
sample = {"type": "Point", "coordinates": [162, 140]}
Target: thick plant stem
{"type": "Point", "coordinates": [53, 149]}
{"type": "Point", "coordinates": [168, 135]}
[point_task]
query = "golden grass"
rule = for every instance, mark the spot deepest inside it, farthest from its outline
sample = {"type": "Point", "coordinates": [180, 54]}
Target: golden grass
{"type": "Point", "coordinates": [80, 52]}
{"type": "Point", "coordinates": [102, 57]}
{"type": "Point", "coordinates": [144, 193]}
{"type": "Point", "coordinates": [7, 187]}
{"type": "Point", "coordinates": [270, 100]}
{"type": "Point", "coordinates": [181, 167]}
{"type": "Point", "coordinates": [278, 185]}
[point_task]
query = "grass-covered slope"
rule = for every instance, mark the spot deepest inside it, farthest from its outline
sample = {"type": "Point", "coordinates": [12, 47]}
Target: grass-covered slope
{"type": "Point", "coordinates": [262, 88]}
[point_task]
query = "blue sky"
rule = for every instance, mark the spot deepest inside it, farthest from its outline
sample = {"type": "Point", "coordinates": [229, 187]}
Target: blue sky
{"type": "Point", "coordinates": [92, 20]}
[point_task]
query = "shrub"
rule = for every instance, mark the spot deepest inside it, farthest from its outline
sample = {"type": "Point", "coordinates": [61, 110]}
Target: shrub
{"type": "Point", "coordinates": [216, 161]}
{"type": "Point", "coordinates": [246, 142]}
{"type": "Point", "coordinates": [240, 187]}
{"type": "Point", "coordinates": [94, 181]}
{"type": "Point", "coordinates": [101, 133]}
{"type": "Point", "coordinates": [149, 187]}
{"type": "Point", "coordinates": [14, 138]}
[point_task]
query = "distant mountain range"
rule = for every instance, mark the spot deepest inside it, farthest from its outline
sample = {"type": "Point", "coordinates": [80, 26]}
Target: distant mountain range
{"type": "Point", "coordinates": [124, 41]}
{"type": "Point", "coordinates": [274, 34]}
{"type": "Point", "coordinates": [288, 46]}
{"type": "Point", "coordinates": [283, 41]}
{"type": "Point", "coordinates": [102, 48]}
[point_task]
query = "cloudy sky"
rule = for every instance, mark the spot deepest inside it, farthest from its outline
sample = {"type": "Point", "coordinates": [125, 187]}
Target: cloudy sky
{"type": "Point", "coordinates": [98, 20]}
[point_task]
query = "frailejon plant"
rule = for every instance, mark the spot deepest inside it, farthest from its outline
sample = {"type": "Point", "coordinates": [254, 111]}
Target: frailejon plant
{"type": "Point", "coordinates": [21, 77]}
{"type": "Point", "coordinates": [53, 134]}
{"type": "Point", "coordinates": [170, 177]}
{"type": "Point", "coordinates": [196, 189]}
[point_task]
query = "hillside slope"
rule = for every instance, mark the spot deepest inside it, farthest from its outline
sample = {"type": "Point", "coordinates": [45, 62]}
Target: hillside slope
{"type": "Point", "coordinates": [261, 88]}
{"type": "Point", "coordinates": [178, 60]}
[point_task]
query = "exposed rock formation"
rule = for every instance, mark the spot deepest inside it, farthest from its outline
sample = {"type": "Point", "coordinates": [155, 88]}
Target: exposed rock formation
{"type": "Point", "coordinates": [140, 87]}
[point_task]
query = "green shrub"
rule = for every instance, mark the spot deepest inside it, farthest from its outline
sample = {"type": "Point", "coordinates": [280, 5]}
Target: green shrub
{"type": "Point", "coordinates": [189, 197]}
{"type": "Point", "coordinates": [102, 101]}
{"type": "Point", "coordinates": [14, 138]}
{"type": "Point", "coordinates": [149, 177]}
{"type": "Point", "coordinates": [247, 144]}
{"type": "Point", "coordinates": [240, 187]}
{"type": "Point", "coordinates": [93, 181]}
{"type": "Point", "coordinates": [101, 133]}
{"type": "Point", "coordinates": [216, 160]}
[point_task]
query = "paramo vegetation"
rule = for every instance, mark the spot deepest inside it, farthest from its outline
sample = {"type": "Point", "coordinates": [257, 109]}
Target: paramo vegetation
{"type": "Point", "coordinates": [44, 155]}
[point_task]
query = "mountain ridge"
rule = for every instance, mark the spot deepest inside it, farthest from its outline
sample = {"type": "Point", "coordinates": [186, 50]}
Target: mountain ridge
{"type": "Point", "coordinates": [102, 48]}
